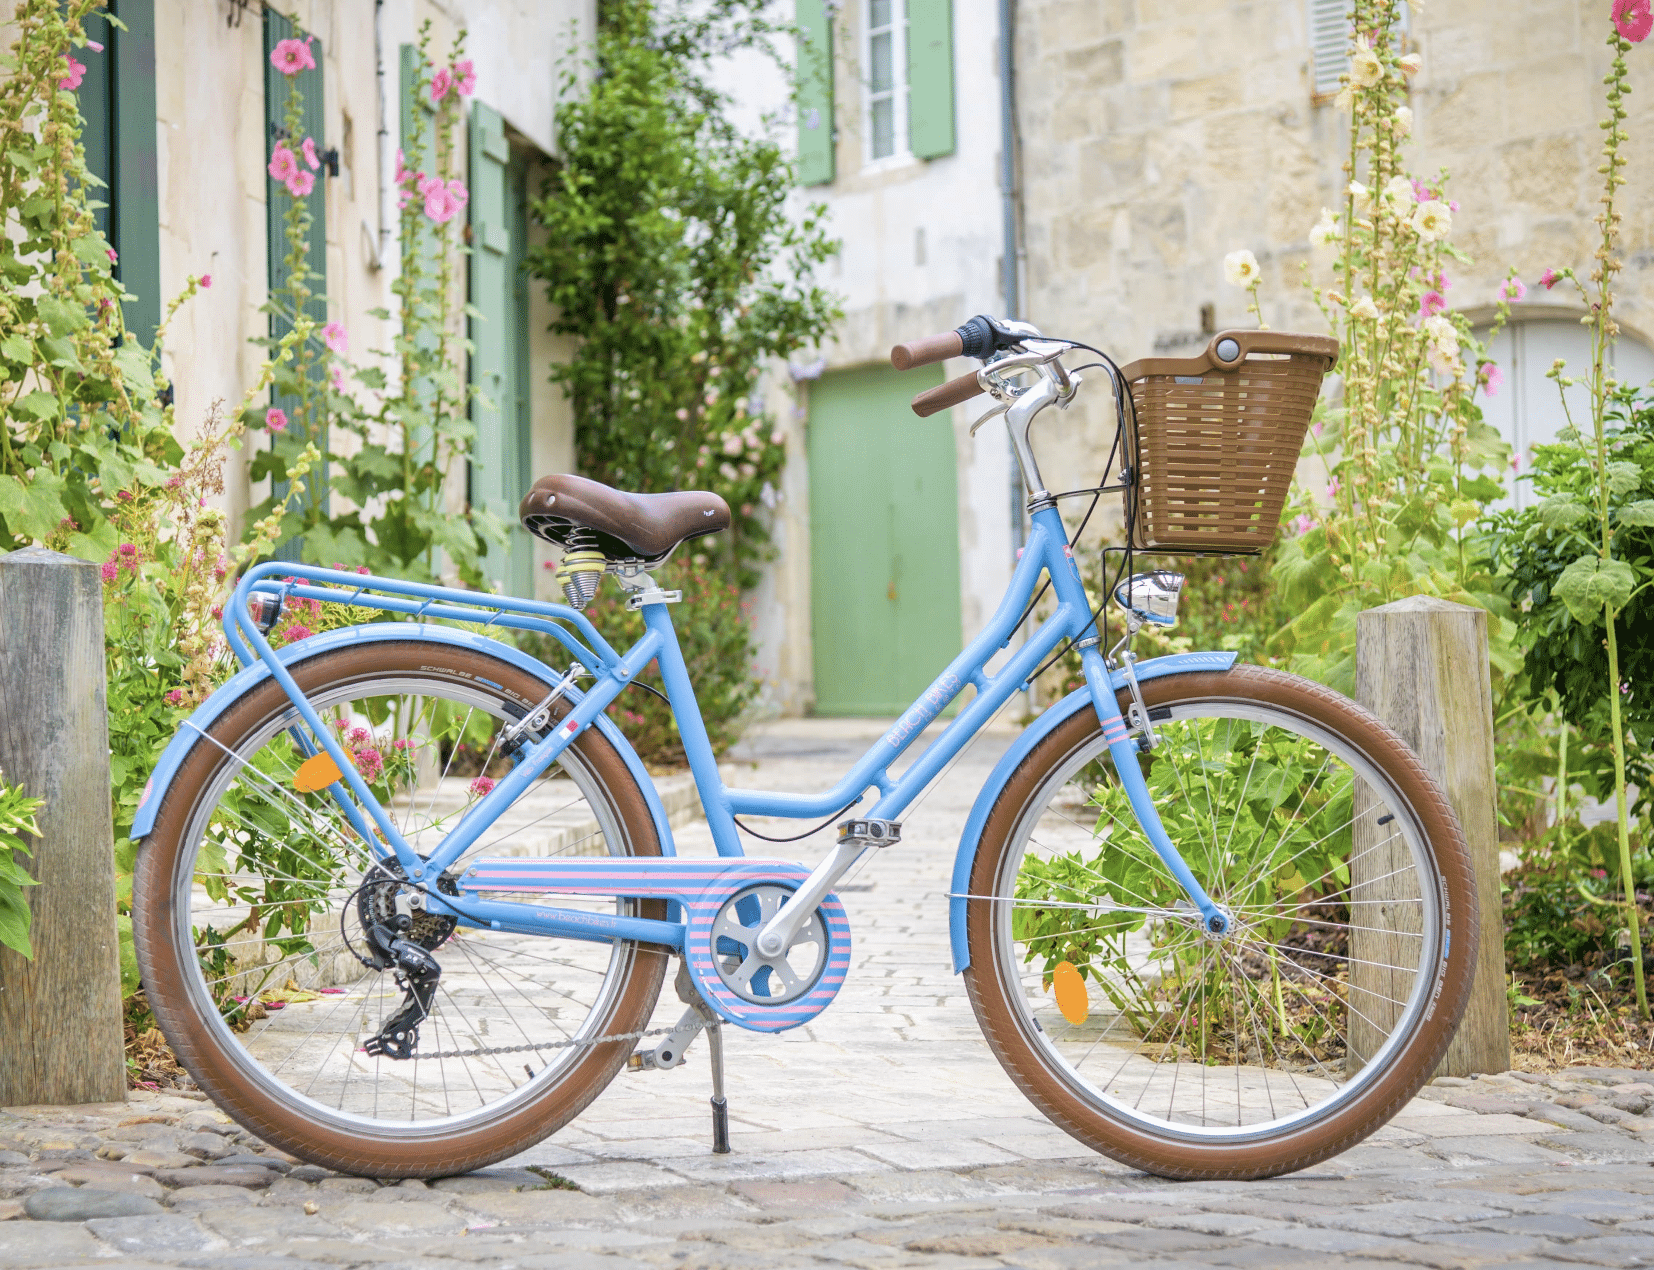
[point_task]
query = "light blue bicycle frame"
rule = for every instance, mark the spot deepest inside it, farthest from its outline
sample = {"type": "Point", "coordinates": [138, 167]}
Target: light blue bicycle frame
{"type": "Point", "coordinates": [1046, 551]}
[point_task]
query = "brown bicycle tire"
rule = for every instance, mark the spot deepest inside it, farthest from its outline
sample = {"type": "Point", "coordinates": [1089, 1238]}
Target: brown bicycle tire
{"type": "Point", "coordinates": [1410, 1067]}
{"type": "Point", "coordinates": [196, 1043]}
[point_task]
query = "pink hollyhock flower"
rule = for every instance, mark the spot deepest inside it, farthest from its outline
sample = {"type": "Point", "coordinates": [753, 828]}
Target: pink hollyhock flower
{"type": "Point", "coordinates": [1515, 289]}
{"type": "Point", "coordinates": [94, 46]}
{"type": "Point", "coordinates": [206, 281]}
{"type": "Point", "coordinates": [1549, 279]}
{"type": "Point", "coordinates": [336, 338]}
{"type": "Point", "coordinates": [283, 164]}
{"type": "Point", "coordinates": [465, 77]}
{"type": "Point", "coordinates": [336, 376]}
{"type": "Point", "coordinates": [481, 786]}
{"type": "Point", "coordinates": [1492, 377]}
{"type": "Point", "coordinates": [1432, 303]}
{"type": "Point", "coordinates": [113, 256]}
{"type": "Point", "coordinates": [71, 81]}
{"type": "Point", "coordinates": [301, 183]}
{"type": "Point", "coordinates": [291, 56]}
{"type": "Point", "coordinates": [402, 173]}
{"type": "Point", "coordinates": [309, 148]}
{"type": "Point", "coordinates": [440, 203]}
{"type": "Point", "coordinates": [298, 632]}
{"type": "Point", "coordinates": [441, 82]}
{"type": "Point", "coordinates": [275, 418]}
{"type": "Point", "coordinates": [1633, 19]}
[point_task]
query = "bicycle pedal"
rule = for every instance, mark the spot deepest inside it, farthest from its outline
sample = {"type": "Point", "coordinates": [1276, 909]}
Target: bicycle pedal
{"type": "Point", "coordinates": [870, 833]}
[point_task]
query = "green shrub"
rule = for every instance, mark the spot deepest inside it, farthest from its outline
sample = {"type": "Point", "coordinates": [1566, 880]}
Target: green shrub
{"type": "Point", "coordinates": [16, 819]}
{"type": "Point", "coordinates": [715, 633]}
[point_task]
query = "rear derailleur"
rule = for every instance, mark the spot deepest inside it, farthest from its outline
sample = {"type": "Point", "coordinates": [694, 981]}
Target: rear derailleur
{"type": "Point", "coordinates": [417, 973]}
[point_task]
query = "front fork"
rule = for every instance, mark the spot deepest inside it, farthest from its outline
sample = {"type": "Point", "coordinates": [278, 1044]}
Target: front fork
{"type": "Point", "coordinates": [1124, 749]}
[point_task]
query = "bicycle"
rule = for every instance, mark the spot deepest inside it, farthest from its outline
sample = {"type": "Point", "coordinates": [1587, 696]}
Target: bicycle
{"type": "Point", "coordinates": [406, 897]}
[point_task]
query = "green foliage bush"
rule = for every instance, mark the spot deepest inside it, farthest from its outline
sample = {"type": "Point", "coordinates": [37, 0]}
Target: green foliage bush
{"type": "Point", "coordinates": [715, 632]}
{"type": "Point", "coordinates": [16, 819]}
{"type": "Point", "coordinates": [671, 255]}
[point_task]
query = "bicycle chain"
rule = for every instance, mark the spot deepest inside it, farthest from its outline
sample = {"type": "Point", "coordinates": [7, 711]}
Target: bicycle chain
{"type": "Point", "coordinates": [551, 1045]}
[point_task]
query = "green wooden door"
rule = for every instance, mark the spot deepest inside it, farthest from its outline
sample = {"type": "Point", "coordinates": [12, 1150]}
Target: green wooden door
{"type": "Point", "coordinates": [884, 541]}
{"type": "Point", "coordinates": [499, 335]}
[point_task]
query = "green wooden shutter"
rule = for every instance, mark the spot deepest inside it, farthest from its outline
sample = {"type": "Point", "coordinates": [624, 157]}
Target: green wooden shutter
{"type": "Point", "coordinates": [277, 201]}
{"type": "Point", "coordinates": [930, 127]}
{"type": "Point", "coordinates": [815, 93]}
{"type": "Point", "coordinates": [498, 455]}
{"type": "Point", "coordinates": [117, 99]}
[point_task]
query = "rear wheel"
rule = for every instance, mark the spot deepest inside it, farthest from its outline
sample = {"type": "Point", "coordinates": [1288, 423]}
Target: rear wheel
{"type": "Point", "coordinates": [251, 894]}
{"type": "Point", "coordinates": [1294, 1035]}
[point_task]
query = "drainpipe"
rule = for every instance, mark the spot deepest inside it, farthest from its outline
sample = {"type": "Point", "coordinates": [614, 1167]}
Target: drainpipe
{"type": "Point", "coordinates": [1010, 271]}
{"type": "Point", "coordinates": [387, 153]}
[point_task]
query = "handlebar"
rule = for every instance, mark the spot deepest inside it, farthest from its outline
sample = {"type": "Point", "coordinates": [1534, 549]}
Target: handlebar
{"type": "Point", "coordinates": [946, 396]}
{"type": "Point", "coordinates": [923, 352]}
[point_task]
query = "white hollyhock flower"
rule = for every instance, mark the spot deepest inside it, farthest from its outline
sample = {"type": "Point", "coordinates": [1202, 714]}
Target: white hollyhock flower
{"type": "Point", "coordinates": [1404, 121]}
{"type": "Point", "coordinates": [1411, 64]}
{"type": "Point", "coordinates": [1363, 198]}
{"type": "Point", "coordinates": [1324, 233]}
{"type": "Point", "coordinates": [1365, 68]}
{"type": "Point", "coordinates": [1433, 220]}
{"type": "Point", "coordinates": [1240, 268]}
{"type": "Point", "coordinates": [1364, 308]}
{"type": "Point", "coordinates": [1442, 334]}
{"type": "Point", "coordinates": [1398, 192]}
{"type": "Point", "coordinates": [1345, 100]}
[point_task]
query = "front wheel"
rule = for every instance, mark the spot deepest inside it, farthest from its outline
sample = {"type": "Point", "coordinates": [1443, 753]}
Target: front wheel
{"type": "Point", "coordinates": [1306, 1025]}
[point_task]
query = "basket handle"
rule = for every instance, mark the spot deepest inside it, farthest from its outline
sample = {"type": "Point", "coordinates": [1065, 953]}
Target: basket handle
{"type": "Point", "coordinates": [1228, 349]}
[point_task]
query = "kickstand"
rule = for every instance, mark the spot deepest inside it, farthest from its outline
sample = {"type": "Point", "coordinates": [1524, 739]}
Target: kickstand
{"type": "Point", "coordinates": [720, 1105]}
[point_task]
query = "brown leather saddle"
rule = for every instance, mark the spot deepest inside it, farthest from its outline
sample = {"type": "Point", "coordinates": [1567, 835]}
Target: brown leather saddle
{"type": "Point", "coordinates": [574, 512]}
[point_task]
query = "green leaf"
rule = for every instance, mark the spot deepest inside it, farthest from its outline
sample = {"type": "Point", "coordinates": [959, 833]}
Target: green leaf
{"type": "Point", "coordinates": [35, 405]}
{"type": "Point", "coordinates": [132, 360]}
{"type": "Point", "coordinates": [1560, 511]}
{"type": "Point", "coordinates": [14, 348]}
{"type": "Point", "coordinates": [91, 249]}
{"type": "Point", "coordinates": [60, 316]}
{"type": "Point", "coordinates": [60, 351]}
{"type": "Point", "coordinates": [1624, 477]}
{"type": "Point", "coordinates": [1591, 582]}
{"type": "Point", "coordinates": [1638, 513]}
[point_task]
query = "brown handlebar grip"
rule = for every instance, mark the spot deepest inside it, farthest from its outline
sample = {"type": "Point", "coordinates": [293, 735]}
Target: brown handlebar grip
{"type": "Point", "coordinates": [933, 348]}
{"type": "Point", "coordinates": [951, 393]}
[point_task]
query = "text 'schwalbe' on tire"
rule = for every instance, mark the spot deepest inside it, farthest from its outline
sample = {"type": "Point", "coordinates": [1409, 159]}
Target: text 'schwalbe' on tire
{"type": "Point", "coordinates": [251, 895]}
{"type": "Point", "coordinates": [1327, 1005]}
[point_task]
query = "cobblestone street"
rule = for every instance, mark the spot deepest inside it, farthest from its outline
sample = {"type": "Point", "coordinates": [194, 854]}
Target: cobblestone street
{"type": "Point", "coordinates": [883, 1136]}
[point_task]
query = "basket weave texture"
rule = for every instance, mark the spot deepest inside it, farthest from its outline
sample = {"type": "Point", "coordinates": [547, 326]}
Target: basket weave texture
{"type": "Point", "coordinates": [1217, 441]}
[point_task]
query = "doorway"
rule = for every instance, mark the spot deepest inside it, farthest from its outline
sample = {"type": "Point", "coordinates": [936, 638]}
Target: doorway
{"type": "Point", "coordinates": [884, 541]}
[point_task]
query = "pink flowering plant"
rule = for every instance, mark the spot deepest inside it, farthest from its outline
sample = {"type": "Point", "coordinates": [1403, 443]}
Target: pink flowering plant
{"type": "Point", "coordinates": [393, 428]}
{"type": "Point", "coordinates": [1408, 462]}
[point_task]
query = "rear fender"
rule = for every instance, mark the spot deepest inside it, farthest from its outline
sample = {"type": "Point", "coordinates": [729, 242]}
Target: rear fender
{"type": "Point", "coordinates": [1037, 731]}
{"type": "Point", "coordinates": [249, 677]}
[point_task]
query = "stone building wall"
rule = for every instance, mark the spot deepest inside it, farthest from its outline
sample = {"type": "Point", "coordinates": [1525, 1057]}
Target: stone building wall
{"type": "Point", "coordinates": [1156, 138]}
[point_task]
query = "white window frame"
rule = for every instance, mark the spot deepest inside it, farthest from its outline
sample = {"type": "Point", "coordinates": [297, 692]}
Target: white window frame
{"type": "Point", "coordinates": [900, 155]}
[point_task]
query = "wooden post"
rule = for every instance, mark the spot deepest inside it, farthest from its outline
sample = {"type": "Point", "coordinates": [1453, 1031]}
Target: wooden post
{"type": "Point", "coordinates": [1422, 667]}
{"type": "Point", "coordinates": [60, 1014]}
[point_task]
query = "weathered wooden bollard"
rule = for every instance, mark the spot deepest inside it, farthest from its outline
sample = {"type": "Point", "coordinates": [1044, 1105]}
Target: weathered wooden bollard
{"type": "Point", "coordinates": [1421, 666]}
{"type": "Point", "coordinates": [60, 1014]}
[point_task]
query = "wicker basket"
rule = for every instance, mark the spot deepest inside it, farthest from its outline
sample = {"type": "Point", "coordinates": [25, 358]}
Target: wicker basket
{"type": "Point", "coordinates": [1218, 437]}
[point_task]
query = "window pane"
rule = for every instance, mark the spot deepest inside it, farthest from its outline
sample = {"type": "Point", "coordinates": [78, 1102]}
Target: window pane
{"type": "Point", "coordinates": [878, 13]}
{"type": "Point", "coordinates": [879, 62]}
{"type": "Point", "coordinates": [884, 128]}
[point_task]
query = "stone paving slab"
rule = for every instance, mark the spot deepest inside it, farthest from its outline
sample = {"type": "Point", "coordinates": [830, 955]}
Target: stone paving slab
{"type": "Point", "coordinates": [883, 1136]}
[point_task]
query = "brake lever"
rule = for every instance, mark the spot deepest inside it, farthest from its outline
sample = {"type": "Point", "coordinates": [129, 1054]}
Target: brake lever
{"type": "Point", "coordinates": [991, 414]}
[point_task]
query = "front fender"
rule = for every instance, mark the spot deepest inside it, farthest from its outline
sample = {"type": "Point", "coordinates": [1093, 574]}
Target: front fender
{"type": "Point", "coordinates": [1037, 731]}
{"type": "Point", "coordinates": [248, 677]}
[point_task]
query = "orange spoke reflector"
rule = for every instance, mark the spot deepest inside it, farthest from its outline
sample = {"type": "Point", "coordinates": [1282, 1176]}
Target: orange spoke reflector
{"type": "Point", "coordinates": [1072, 998]}
{"type": "Point", "coordinates": [319, 771]}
